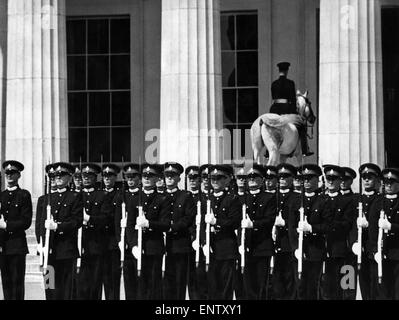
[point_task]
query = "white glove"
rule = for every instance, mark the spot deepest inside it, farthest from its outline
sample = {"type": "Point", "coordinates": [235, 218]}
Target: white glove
{"type": "Point", "coordinates": [205, 249]}
{"type": "Point", "coordinates": [384, 224]}
{"type": "Point", "coordinates": [247, 223]}
{"type": "Point", "coordinates": [123, 223]}
{"type": "Point", "coordinates": [50, 224]}
{"type": "Point", "coordinates": [195, 245]}
{"type": "Point", "coordinates": [279, 222]}
{"type": "Point", "coordinates": [362, 222]}
{"type": "Point", "coordinates": [210, 218]}
{"type": "Point", "coordinates": [241, 250]}
{"type": "Point", "coordinates": [356, 248]}
{"type": "Point", "coordinates": [86, 217]}
{"type": "Point", "coordinates": [3, 224]}
{"type": "Point", "coordinates": [142, 222]}
{"type": "Point", "coordinates": [304, 226]}
{"type": "Point", "coordinates": [136, 252]}
{"type": "Point", "coordinates": [120, 245]}
{"type": "Point", "coordinates": [198, 219]}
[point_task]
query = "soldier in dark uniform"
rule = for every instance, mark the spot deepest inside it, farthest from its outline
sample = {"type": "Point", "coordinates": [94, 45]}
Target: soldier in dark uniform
{"type": "Point", "coordinates": [259, 247]}
{"type": "Point", "coordinates": [15, 218]}
{"type": "Point", "coordinates": [96, 212]}
{"type": "Point", "coordinates": [156, 221]}
{"type": "Point", "coordinates": [65, 219]}
{"type": "Point", "coordinates": [337, 237]}
{"type": "Point", "coordinates": [389, 203]}
{"type": "Point", "coordinates": [77, 179]}
{"type": "Point", "coordinates": [41, 214]}
{"type": "Point", "coordinates": [241, 193]}
{"type": "Point", "coordinates": [193, 177]}
{"type": "Point", "coordinates": [270, 188]}
{"type": "Point", "coordinates": [270, 179]}
{"type": "Point", "coordinates": [370, 174]}
{"type": "Point", "coordinates": [198, 286]}
{"type": "Point", "coordinates": [111, 268]}
{"type": "Point", "coordinates": [224, 219]}
{"type": "Point", "coordinates": [284, 266]}
{"type": "Point", "coordinates": [161, 187]}
{"type": "Point", "coordinates": [131, 198]}
{"type": "Point", "coordinates": [315, 226]}
{"type": "Point", "coordinates": [351, 198]}
{"type": "Point", "coordinates": [178, 237]}
{"type": "Point", "coordinates": [284, 101]}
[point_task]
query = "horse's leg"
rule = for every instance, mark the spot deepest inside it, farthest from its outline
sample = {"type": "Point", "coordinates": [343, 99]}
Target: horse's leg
{"type": "Point", "coordinates": [274, 159]}
{"type": "Point", "coordinates": [257, 143]}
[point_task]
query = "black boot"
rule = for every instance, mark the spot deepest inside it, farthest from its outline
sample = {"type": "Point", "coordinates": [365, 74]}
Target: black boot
{"type": "Point", "coordinates": [305, 147]}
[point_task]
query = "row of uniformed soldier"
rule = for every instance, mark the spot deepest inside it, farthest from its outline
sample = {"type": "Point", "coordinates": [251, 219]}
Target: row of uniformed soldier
{"type": "Point", "coordinates": [85, 231]}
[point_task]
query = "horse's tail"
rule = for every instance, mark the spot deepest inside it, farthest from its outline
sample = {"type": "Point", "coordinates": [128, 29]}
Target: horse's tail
{"type": "Point", "coordinates": [261, 123]}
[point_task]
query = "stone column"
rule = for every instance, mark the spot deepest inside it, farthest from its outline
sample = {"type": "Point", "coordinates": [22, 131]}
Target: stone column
{"type": "Point", "coordinates": [36, 112]}
{"type": "Point", "coordinates": [191, 90]}
{"type": "Point", "coordinates": [351, 101]}
{"type": "Point", "coordinates": [3, 72]}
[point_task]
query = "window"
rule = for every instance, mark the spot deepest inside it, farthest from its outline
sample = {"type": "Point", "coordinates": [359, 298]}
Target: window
{"type": "Point", "coordinates": [239, 41]}
{"type": "Point", "coordinates": [98, 60]}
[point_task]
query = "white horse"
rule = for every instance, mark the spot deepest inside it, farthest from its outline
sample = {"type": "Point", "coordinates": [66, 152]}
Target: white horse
{"type": "Point", "coordinates": [279, 134]}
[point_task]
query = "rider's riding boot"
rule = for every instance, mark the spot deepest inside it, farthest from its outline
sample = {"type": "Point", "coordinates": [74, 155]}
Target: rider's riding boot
{"type": "Point", "coordinates": [305, 147]}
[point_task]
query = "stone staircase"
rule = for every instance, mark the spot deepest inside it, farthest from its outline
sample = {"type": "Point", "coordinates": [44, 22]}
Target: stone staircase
{"type": "Point", "coordinates": [32, 273]}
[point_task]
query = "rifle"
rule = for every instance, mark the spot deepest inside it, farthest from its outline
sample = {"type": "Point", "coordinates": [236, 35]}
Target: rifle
{"type": "Point", "coordinates": [124, 217]}
{"type": "Point", "coordinates": [378, 255]}
{"type": "Point", "coordinates": [274, 229]}
{"type": "Point", "coordinates": [360, 229]}
{"type": "Point", "coordinates": [197, 231]}
{"type": "Point", "coordinates": [242, 246]}
{"type": "Point", "coordinates": [41, 258]}
{"type": "Point", "coordinates": [47, 237]}
{"type": "Point", "coordinates": [80, 230]}
{"type": "Point", "coordinates": [139, 237]}
{"type": "Point", "coordinates": [299, 251]}
{"type": "Point", "coordinates": [164, 235]}
{"type": "Point", "coordinates": [208, 226]}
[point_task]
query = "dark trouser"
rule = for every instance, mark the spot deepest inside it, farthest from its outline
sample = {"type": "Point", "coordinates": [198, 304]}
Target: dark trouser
{"type": "Point", "coordinates": [331, 281]}
{"type": "Point", "coordinates": [220, 279]}
{"type": "Point", "coordinates": [238, 282]}
{"type": "Point", "coordinates": [351, 260]}
{"type": "Point", "coordinates": [150, 283]}
{"type": "Point", "coordinates": [368, 279]}
{"type": "Point", "coordinates": [175, 282]}
{"type": "Point", "coordinates": [13, 276]}
{"type": "Point", "coordinates": [59, 279]}
{"type": "Point", "coordinates": [89, 280]}
{"type": "Point", "coordinates": [197, 283]}
{"type": "Point", "coordinates": [389, 288]}
{"type": "Point", "coordinates": [308, 285]}
{"type": "Point", "coordinates": [256, 274]}
{"type": "Point", "coordinates": [112, 274]}
{"type": "Point", "coordinates": [284, 287]}
{"type": "Point", "coordinates": [130, 278]}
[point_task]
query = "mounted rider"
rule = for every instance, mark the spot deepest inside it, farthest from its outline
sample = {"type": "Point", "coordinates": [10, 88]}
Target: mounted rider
{"type": "Point", "coordinates": [284, 101]}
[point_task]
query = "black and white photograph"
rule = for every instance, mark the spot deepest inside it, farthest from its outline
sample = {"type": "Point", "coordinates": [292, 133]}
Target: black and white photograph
{"type": "Point", "coordinates": [199, 154]}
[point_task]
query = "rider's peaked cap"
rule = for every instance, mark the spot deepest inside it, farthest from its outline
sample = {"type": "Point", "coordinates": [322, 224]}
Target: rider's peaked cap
{"type": "Point", "coordinates": [370, 168]}
{"type": "Point", "coordinates": [283, 66]}
{"type": "Point", "coordinates": [286, 168]}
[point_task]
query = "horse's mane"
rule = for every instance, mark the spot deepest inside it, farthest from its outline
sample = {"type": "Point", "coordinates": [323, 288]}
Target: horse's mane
{"type": "Point", "coordinates": [277, 121]}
